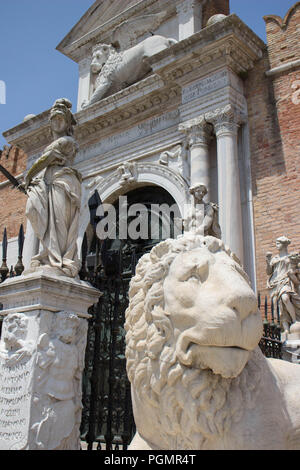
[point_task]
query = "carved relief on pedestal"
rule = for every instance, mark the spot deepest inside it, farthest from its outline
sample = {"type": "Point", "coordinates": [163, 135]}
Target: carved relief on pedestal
{"type": "Point", "coordinates": [16, 371]}
{"type": "Point", "coordinates": [57, 394]}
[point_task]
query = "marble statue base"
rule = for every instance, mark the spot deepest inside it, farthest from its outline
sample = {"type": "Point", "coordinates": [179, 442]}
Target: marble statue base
{"type": "Point", "coordinates": [291, 345]}
{"type": "Point", "coordinates": [42, 350]}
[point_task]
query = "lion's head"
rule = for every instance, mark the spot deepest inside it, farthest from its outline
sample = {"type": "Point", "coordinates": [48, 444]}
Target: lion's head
{"type": "Point", "coordinates": [100, 55]}
{"type": "Point", "coordinates": [191, 326]}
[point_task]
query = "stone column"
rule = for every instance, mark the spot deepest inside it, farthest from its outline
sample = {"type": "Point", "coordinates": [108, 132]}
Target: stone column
{"type": "Point", "coordinates": [226, 126]}
{"type": "Point", "coordinates": [199, 134]}
{"type": "Point", "coordinates": [42, 351]}
{"type": "Point", "coordinates": [189, 17]}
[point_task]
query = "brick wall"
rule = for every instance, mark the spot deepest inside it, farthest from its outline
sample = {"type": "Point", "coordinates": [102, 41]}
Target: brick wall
{"type": "Point", "coordinates": [274, 115]}
{"type": "Point", "coordinates": [12, 202]}
{"type": "Point", "coordinates": [212, 7]}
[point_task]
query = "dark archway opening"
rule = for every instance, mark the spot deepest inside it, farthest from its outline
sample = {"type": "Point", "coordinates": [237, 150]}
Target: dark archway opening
{"type": "Point", "coordinates": [107, 419]}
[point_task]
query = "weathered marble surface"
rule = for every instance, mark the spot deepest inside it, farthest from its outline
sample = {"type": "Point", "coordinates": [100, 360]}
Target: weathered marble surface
{"type": "Point", "coordinates": [42, 351]}
{"type": "Point", "coordinates": [54, 196]}
{"type": "Point", "coordinates": [202, 217]}
{"type": "Point", "coordinates": [284, 282]}
{"type": "Point", "coordinates": [116, 70]}
{"type": "Point", "coordinates": [198, 378]}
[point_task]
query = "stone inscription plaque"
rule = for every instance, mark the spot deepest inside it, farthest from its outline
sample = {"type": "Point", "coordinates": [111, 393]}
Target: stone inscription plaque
{"type": "Point", "coordinates": [15, 399]}
{"type": "Point", "coordinates": [140, 131]}
{"type": "Point", "coordinates": [205, 86]}
{"type": "Point", "coordinates": [16, 369]}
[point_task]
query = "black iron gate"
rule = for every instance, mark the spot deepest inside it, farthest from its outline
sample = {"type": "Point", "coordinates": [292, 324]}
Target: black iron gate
{"type": "Point", "coordinates": [107, 419]}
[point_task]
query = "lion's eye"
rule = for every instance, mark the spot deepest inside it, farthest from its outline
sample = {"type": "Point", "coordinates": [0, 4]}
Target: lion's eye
{"type": "Point", "coordinates": [194, 278]}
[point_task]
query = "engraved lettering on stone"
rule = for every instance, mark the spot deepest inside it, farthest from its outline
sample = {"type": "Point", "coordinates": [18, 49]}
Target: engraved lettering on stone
{"type": "Point", "coordinates": [145, 129]}
{"type": "Point", "coordinates": [16, 366]}
{"type": "Point", "coordinates": [205, 86]}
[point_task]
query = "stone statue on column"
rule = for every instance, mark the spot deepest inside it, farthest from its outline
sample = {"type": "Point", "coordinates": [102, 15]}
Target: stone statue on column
{"type": "Point", "coordinates": [202, 217]}
{"type": "Point", "coordinates": [283, 282]}
{"type": "Point", "coordinates": [45, 310]}
{"type": "Point", "coordinates": [54, 197]}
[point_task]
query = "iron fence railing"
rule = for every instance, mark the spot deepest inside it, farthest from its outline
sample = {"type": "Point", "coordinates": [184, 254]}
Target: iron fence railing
{"type": "Point", "coordinates": [270, 343]}
{"type": "Point", "coordinates": [5, 270]}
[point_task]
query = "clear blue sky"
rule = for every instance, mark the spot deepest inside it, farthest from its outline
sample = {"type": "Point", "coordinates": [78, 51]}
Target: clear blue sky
{"type": "Point", "coordinates": [36, 74]}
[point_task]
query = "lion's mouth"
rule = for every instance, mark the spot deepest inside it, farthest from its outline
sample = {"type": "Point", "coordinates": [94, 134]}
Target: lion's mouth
{"type": "Point", "coordinates": [228, 360]}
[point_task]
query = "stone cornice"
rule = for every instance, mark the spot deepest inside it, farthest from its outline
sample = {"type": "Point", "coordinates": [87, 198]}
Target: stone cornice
{"type": "Point", "coordinates": [229, 39]}
{"type": "Point", "coordinates": [133, 104]}
{"type": "Point", "coordinates": [228, 42]}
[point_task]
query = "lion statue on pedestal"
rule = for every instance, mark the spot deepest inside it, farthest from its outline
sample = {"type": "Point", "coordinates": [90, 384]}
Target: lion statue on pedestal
{"type": "Point", "coordinates": [115, 70]}
{"type": "Point", "coordinates": [198, 378]}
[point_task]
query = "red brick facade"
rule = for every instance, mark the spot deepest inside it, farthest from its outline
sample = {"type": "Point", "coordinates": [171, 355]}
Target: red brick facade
{"type": "Point", "coordinates": [274, 114]}
{"type": "Point", "coordinates": [12, 202]}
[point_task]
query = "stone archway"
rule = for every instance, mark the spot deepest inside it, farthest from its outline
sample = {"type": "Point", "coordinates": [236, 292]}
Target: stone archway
{"type": "Point", "coordinates": [138, 175]}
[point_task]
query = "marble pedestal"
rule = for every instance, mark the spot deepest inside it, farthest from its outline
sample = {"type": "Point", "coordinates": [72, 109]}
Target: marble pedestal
{"type": "Point", "coordinates": [291, 345]}
{"type": "Point", "coordinates": [42, 352]}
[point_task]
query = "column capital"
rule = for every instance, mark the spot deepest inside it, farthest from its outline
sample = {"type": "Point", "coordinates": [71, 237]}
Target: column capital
{"type": "Point", "coordinates": [225, 120]}
{"type": "Point", "coordinates": [198, 130]}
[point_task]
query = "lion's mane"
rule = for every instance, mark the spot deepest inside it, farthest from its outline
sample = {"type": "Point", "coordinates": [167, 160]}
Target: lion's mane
{"type": "Point", "coordinates": [113, 60]}
{"type": "Point", "coordinates": [190, 405]}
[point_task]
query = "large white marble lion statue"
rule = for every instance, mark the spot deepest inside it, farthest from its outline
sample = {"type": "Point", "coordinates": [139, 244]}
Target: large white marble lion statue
{"type": "Point", "coordinates": [198, 378]}
{"type": "Point", "coordinates": [116, 70]}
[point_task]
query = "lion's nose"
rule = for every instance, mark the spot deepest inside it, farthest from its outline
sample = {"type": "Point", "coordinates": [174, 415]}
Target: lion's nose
{"type": "Point", "coordinates": [243, 303]}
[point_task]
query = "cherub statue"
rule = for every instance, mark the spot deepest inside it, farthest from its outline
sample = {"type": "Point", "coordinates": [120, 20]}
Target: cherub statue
{"type": "Point", "coordinates": [202, 217]}
{"type": "Point", "coordinates": [54, 196]}
{"type": "Point", "coordinates": [283, 283]}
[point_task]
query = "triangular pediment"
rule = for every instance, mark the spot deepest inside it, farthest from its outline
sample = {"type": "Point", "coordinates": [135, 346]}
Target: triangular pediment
{"type": "Point", "coordinates": [100, 13]}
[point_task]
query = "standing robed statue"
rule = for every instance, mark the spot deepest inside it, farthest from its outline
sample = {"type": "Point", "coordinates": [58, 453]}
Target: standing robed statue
{"type": "Point", "coordinates": [54, 196]}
